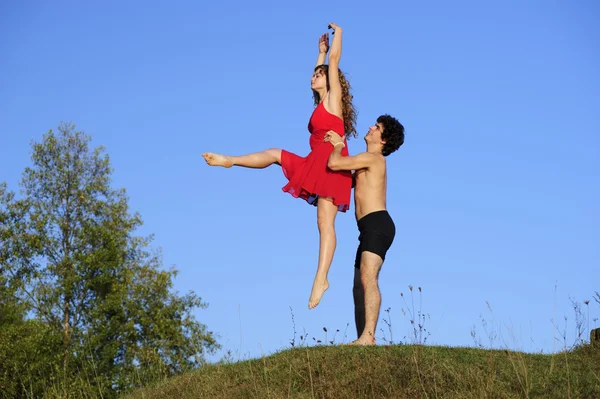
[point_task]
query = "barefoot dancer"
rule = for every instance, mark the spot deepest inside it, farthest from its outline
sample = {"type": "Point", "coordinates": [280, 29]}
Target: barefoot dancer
{"type": "Point", "coordinates": [376, 227]}
{"type": "Point", "coordinates": [309, 178]}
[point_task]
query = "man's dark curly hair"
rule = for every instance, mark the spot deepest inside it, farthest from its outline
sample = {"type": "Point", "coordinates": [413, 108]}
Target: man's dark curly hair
{"type": "Point", "coordinates": [393, 134]}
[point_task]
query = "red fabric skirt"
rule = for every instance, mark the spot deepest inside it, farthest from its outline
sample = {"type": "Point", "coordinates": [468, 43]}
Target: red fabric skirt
{"type": "Point", "coordinates": [309, 178]}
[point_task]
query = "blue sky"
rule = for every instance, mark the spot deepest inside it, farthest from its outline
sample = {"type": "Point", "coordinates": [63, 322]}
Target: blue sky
{"type": "Point", "coordinates": [495, 192]}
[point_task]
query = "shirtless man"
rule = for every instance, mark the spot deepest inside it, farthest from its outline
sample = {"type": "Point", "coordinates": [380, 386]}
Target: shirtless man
{"type": "Point", "coordinates": [376, 227]}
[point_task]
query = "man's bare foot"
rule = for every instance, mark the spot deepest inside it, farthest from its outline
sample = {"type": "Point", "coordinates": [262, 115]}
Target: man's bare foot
{"type": "Point", "coordinates": [217, 160]}
{"type": "Point", "coordinates": [317, 292]}
{"type": "Point", "coordinates": [363, 341]}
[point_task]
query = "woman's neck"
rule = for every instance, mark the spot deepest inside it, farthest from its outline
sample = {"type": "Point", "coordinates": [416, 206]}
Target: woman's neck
{"type": "Point", "coordinates": [322, 95]}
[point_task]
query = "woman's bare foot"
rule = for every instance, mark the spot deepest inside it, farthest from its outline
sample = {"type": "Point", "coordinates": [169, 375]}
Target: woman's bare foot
{"type": "Point", "coordinates": [217, 160]}
{"type": "Point", "coordinates": [317, 292]}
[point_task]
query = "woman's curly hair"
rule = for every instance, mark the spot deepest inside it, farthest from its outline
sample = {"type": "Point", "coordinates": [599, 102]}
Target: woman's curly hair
{"type": "Point", "coordinates": [348, 110]}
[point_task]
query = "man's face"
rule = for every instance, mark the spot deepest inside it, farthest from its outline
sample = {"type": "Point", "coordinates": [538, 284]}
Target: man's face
{"type": "Point", "coordinates": [374, 134]}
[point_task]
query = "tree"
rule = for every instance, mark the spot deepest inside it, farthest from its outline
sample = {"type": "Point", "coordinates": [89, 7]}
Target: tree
{"type": "Point", "coordinates": [70, 257]}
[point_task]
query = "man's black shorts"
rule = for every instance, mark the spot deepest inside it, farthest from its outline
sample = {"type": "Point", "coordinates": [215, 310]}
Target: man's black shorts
{"type": "Point", "coordinates": [377, 231]}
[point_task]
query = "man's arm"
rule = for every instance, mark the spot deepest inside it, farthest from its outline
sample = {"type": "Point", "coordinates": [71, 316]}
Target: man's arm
{"type": "Point", "coordinates": [339, 162]}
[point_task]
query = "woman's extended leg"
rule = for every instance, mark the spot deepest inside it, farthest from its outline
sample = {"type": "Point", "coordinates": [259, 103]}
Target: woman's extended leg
{"type": "Point", "coordinates": [326, 212]}
{"type": "Point", "coordinates": [257, 160]}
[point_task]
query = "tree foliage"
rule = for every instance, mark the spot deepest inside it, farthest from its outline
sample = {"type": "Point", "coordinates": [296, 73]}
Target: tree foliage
{"type": "Point", "coordinates": [80, 293]}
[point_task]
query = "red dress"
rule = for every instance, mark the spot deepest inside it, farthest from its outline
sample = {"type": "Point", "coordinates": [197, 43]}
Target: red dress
{"type": "Point", "coordinates": [309, 177]}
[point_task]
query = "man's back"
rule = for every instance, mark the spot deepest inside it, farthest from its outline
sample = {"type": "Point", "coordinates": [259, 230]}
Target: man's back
{"type": "Point", "coordinates": [370, 186]}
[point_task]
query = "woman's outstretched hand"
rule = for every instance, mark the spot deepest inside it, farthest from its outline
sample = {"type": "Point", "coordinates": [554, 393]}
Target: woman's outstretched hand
{"type": "Point", "coordinates": [334, 26]}
{"type": "Point", "coordinates": [324, 43]}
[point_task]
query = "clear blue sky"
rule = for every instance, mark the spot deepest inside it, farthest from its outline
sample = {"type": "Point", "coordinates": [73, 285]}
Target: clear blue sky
{"type": "Point", "coordinates": [495, 192]}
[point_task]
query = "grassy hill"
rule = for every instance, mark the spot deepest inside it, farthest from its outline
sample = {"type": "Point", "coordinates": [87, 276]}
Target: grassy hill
{"type": "Point", "coordinates": [399, 371]}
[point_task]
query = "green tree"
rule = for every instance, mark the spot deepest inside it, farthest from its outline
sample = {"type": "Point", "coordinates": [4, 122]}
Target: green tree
{"type": "Point", "coordinates": [69, 257]}
{"type": "Point", "coordinates": [28, 355]}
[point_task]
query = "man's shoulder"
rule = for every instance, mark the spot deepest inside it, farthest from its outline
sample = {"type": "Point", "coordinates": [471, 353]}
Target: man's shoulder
{"type": "Point", "coordinates": [371, 160]}
{"type": "Point", "coordinates": [371, 156]}
{"type": "Point", "coordinates": [375, 159]}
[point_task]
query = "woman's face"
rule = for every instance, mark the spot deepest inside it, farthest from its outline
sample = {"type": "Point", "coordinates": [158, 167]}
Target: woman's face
{"type": "Point", "coordinates": [318, 80]}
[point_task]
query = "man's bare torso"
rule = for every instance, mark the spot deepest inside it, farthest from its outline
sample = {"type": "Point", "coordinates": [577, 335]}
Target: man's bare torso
{"type": "Point", "coordinates": [370, 187]}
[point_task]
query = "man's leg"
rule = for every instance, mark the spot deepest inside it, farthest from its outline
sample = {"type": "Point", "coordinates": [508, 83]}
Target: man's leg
{"type": "Point", "coordinates": [257, 160]}
{"type": "Point", "coordinates": [359, 303]}
{"type": "Point", "coordinates": [370, 265]}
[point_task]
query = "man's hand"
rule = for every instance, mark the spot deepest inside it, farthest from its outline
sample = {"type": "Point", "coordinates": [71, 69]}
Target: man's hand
{"type": "Point", "coordinates": [334, 138]}
{"type": "Point", "coordinates": [324, 43]}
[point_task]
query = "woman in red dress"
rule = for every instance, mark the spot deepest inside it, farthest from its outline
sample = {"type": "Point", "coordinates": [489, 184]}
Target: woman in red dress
{"type": "Point", "coordinates": [309, 178]}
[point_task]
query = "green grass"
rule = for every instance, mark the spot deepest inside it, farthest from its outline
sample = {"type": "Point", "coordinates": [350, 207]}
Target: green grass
{"type": "Point", "coordinates": [399, 371]}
